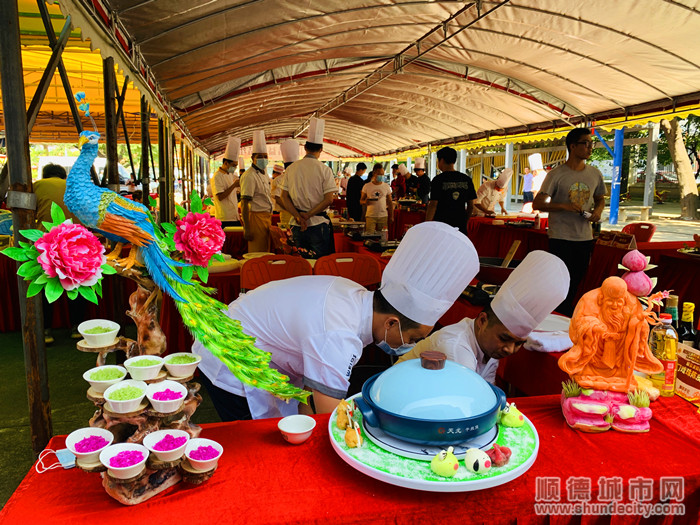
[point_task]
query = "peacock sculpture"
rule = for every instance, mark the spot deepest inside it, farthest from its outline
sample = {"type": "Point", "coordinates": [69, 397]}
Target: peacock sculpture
{"type": "Point", "coordinates": [126, 221]}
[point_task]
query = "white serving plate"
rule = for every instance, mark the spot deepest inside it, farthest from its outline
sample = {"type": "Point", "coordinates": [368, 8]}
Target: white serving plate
{"type": "Point", "coordinates": [391, 468]}
{"type": "Point", "coordinates": [554, 323]}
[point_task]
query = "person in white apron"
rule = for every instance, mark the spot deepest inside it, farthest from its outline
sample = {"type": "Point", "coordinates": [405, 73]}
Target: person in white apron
{"type": "Point", "coordinates": [315, 327]}
{"type": "Point", "coordinates": [537, 286]}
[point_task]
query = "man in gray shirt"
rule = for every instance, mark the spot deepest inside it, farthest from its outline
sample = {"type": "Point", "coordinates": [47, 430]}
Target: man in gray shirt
{"type": "Point", "coordinates": [574, 196]}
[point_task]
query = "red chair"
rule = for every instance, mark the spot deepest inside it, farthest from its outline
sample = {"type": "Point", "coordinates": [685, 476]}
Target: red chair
{"type": "Point", "coordinates": [261, 270]}
{"type": "Point", "coordinates": [361, 268]}
{"type": "Point", "coordinates": [642, 231]}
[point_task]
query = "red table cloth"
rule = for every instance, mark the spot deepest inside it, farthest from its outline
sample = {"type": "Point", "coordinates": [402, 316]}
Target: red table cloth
{"type": "Point", "coordinates": [404, 219]}
{"type": "Point", "coordinates": [494, 240]}
{"type": "Point", "coordinates": [235, 245]}
{"type": "Point", "coordinates": [263, 479]}
{"type": "Point", "coordinates": [681, 273]}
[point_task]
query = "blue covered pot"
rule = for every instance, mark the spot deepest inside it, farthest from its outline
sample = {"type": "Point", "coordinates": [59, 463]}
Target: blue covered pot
{"type": "Point", "coordinates": [430, 401]}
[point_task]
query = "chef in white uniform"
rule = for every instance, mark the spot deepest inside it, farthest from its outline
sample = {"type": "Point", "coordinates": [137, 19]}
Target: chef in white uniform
{"type": "Point", "coordinates": [308, 189]}
{"type": "Point", "coordinates": [290, 154]}
{"type": "Point", "coordinates": [223, 185]}
{"type": "Point", "coordinates": [490, 193]}
{"type": "Point", "coordinates": [315, 327]}
{"type": "Point", "coordinates": [536, 286]}
{"type": "Point", "coordinates": [256, 199]}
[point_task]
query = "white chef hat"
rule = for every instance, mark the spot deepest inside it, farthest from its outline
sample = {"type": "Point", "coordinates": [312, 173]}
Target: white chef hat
{"type": "Point", "coordinates": [347, 170]}
{"type": "Point", "coordinates": [316, 128]}
{"type": "Point", "coordinates": [233, 149]}
{"type": "Point", "coordinates": [420, 164]}
{"type": "Point", "coordinates": [241, 164]}
{"type": "Point", "coordinates": [535, 161]}
{"type": "Point", "coordinates": [536, 287]}
{"type": "Point", "coordinates": [290, 150]}
{"type": "Point", "coordinates": [259, 144]}
{"type": "Point", "coordinates": [504, 177]}
{"type": "Point", "coordinates": [433, 265]}
{"type": "Point", "coordinates": [403, 170]}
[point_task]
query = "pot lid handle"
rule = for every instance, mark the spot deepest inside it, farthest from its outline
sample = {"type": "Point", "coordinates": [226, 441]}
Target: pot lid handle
{"type": "Point", "coordinates": [432, 360]}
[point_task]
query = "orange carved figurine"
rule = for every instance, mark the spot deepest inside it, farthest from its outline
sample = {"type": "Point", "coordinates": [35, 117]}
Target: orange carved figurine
{"type": "Point", "coordinates": [609, 330]}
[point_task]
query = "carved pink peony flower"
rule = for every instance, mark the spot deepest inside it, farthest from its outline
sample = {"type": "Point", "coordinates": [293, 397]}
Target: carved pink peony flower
{"type": "Point", "coordinates": [199, 236]}
{"type": "Point", "coordinates": [71, 253]}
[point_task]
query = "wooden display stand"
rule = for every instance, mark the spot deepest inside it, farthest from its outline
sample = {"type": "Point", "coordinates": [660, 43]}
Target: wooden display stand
{"type": "Point", "coordinates": [157, 475]}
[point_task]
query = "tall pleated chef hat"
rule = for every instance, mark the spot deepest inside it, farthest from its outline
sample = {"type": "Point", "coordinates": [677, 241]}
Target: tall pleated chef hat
{"type": "Point", "coordinates": [532, 291]}
{"type": "Point", "coordinates": [290, 150]}
{"type": "Point", "coordinates": [433, 265]}
{"type": "Point", "coordinates": [233, 149]}
{"type": "Point", "coordinates": [316, 128]}
{"type": "Point", "coordinates": [403, 170]}
{"type": "Point", "coordinates": [259, 144]}
{"type": "Point", "coordinates": [535, 161]}
{"type": "Point", "coordinates": [241, 164]}
{"type": "Point", "coordinates": [504, 177]}
{"type": "Point", "coordinates": [420, 164]}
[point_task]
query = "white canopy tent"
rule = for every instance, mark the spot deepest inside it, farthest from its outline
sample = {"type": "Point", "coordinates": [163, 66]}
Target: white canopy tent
{"type": "Point", "coordinates": [392, 74]}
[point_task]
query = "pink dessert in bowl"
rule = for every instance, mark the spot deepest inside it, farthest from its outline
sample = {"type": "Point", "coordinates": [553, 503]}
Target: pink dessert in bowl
{"type": "Point", "coordinates": [86, 443]}
{"type": "Point", "coordinates": [203, 454]}
{"type": "Point", "coordinates": [124, 460]}
{"type": "Point", "coordinates": [167, 396]}
{"type": "Point", "coordinates": [167, 445]}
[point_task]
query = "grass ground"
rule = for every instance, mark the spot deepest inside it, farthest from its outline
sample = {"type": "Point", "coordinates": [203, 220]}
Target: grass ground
{"type": "Point", "coordinates": [70, 409]}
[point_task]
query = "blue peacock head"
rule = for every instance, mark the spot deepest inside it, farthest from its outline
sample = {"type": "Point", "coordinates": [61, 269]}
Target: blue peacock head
{"type": "Point", "coordinates": [88, 137]}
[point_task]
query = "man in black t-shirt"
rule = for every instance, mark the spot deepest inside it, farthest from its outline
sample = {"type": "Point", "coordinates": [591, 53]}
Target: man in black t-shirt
{"type": "Point", "coordinates": [452, 193]}
{"type": "Point", "coordinates": [354, 192]}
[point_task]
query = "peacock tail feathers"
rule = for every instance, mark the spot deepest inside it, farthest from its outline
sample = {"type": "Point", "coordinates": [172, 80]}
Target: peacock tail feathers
{"type": "Point", "coordinates": [206, 319]}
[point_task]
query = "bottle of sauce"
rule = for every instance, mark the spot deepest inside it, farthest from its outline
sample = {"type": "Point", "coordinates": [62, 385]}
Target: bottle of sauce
{"type": "Point", "coordinates": [686, 329]}
{"type": "Point", "coordinates": [672, 308]}
{"type": "Point", "coordinates": [663, 341]}
{"type": "Point", "coordinates": [538, 223]}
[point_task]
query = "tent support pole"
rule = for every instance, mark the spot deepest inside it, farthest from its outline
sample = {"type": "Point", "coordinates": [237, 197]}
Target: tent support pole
{"type": "Point", "coordinates": [22, 201]}
{"type": "Point", "coordinates": [145, 147]}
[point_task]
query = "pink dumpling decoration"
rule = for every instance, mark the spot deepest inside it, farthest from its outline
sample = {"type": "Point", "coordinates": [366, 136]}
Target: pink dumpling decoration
{"type": "Point", "coordinates": [634, 261]}
{"type": "Point", "coordinates": [638, 283]}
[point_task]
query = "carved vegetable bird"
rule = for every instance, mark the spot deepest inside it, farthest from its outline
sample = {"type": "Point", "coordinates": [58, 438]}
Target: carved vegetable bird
{"type": "Point", "coordinates": [126, 221]}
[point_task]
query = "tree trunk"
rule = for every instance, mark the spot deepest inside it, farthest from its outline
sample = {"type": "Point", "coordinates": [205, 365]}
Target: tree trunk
{"type": "Point", "coordinates": [681, 162]}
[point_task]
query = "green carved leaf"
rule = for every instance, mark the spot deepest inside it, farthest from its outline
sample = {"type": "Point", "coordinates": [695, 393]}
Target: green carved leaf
{"type": "Point", "coordinates": [108, 270]}
{"type": "Point", "coordinates": [57, 215]}
{"type": "Point", "coordinates": [34, 289]}
{"type": "Point", "coordinates": [32, 235]}
{"type": "Point", "coordinates": [169, 227]}
{"type": "Point", "coordinates": [187, 273]}
{"type": "Point", "coordinates": [18, 254]}
{"type": "Point", "coordinates": [195, 202]}
{"type": "Point", "coordinates": [72, 294]}
{"type": "Point", "coordinates": [181, 212]}
{"type": "Point", "coordinates": [88, 293]}
{"type": "Point", "coordinates": [203, 273]}
{"type": "Point", "coordinates": [53, 289]}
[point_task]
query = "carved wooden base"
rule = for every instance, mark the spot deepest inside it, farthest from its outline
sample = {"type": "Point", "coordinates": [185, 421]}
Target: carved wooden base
{"type": "Point", "coordinates": [90, 467]}
{"type": "Point", "coordinates": [156, 464]}
{"type": "Point", "coordinates": [192, 476]}
{"type": "Point", "coordinates": [162, 375]}
{"type": "Point", "coordinates": [148, 484]}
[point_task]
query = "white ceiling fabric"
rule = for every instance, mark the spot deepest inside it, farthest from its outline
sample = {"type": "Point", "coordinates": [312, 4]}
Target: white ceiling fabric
{"type": "Point", "coordinates": [232, 66]}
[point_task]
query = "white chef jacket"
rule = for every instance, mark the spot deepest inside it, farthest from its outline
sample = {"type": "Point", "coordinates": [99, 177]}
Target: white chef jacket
{"type": "Point", "coordinates": [458, 342]}
{"type": "Point", "coordinates": [314, 326]}
{"type": "Point", "coordinates": [227, 209]}
{"type": "Point", "coordinates": [307, 181]}
{"type": "Point", "coordinates": [488, 195]}
{"type": "Point", "coordinates": [256, 185]}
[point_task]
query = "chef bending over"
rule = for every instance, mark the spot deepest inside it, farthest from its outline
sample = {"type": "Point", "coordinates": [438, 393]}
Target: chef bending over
{"type": "Point", "coordinates": [536, 286]}
{"type": "Point", "coordinates": [316, 326]}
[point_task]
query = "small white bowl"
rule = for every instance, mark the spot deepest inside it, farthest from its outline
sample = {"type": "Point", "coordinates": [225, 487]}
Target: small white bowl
{"type": "Point", "coordinates": [123, 472]}
{"type": "Point", "coordinates": [101, 386]}
{"type": "Point", "coordinates": [297, 428]}
{"type": "Point", "coordinates": [143, 373]}
{"type": "Point", "coordinates": [166, 407]}
{"type": "Point", "coordinates": [205, 464]}
{"type": "Point", "coordinates": [99, 340]}
{"type": "Point", "coordinates": [78, 435]}
{"type": "Point", "coordinates": [166, 455]}
{"type": "Point", "coordinates": [184, 370]}
{"type": "Point", "coordinates": [126, 406]}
